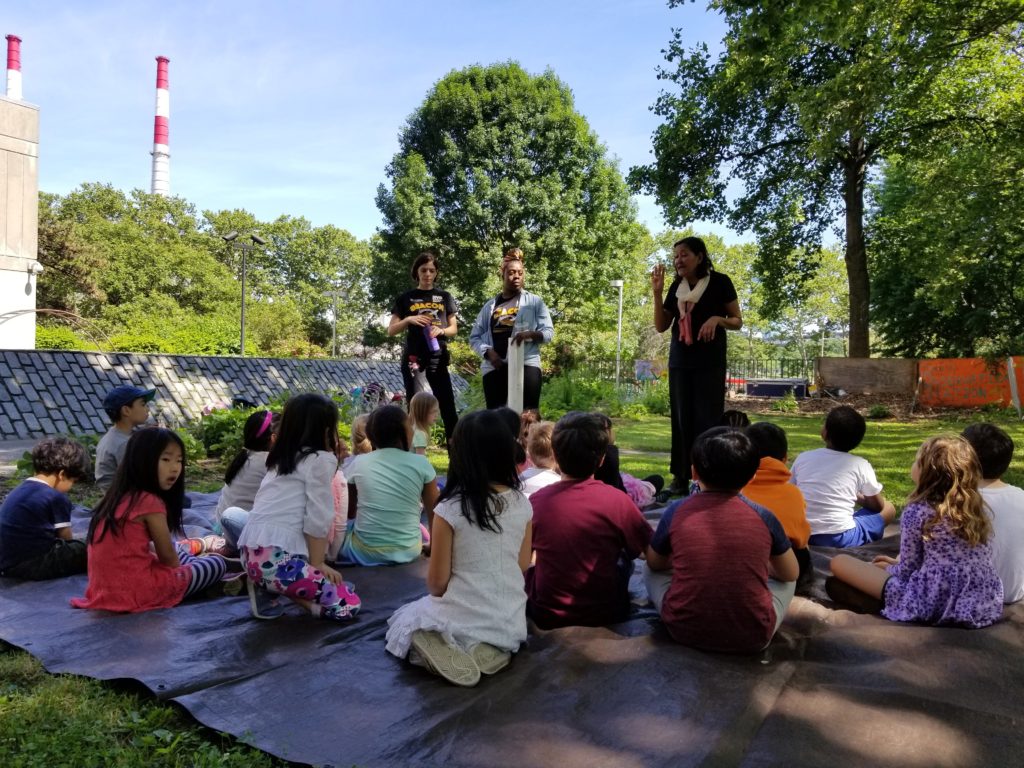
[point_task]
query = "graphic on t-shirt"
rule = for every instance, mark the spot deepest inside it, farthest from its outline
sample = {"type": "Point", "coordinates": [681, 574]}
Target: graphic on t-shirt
{"type": "Point", "coordinates": [431, 309]}
{"type": "Point", "coordinates": [503, 319]}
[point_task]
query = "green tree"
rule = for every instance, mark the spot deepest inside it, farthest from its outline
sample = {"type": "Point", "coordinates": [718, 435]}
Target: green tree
{"type": "Point", "coordinates": [497, 157]}
{"type": "Point", "coordinates": [805, 99]}
{"type": "Point", "coordinates": [70, 281]}
{"type": "Point", "coordinates": [948, 257]}
{"type": "Point", "coordinates": [149, 245]}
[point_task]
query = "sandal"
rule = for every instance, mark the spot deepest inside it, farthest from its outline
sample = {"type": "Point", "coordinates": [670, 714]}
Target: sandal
{"type": "Point", "coordinates": [262, 604]}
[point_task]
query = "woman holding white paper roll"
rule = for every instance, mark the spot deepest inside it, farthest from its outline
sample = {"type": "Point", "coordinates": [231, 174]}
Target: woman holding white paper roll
{"type": "Point", "coordinates": [515, 321]}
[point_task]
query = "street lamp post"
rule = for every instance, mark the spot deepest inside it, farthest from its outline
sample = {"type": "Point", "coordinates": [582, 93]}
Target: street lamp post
{"type": "Point", "coordinates": [618, 343]}
{"type": "Point", "coordinates": [334, 295]}
{"type": "Point", "coordinates": [231, 238]}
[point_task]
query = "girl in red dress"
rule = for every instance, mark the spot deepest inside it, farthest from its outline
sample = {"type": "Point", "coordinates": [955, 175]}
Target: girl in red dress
{"type": "Point", "coordinates": [134, 564]}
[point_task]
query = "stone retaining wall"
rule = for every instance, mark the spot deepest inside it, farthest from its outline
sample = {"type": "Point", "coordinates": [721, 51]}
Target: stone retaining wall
{"type": "Point", "coordinates": [47, 393]}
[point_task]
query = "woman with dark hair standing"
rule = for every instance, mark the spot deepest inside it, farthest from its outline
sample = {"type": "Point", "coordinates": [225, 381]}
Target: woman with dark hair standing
{"type": "Point", "coordinates": [427, 315]}
{"type": "Point", "coordinates": [700, 307]}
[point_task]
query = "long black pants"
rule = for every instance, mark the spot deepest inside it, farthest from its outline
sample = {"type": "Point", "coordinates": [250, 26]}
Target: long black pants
{"type": "Point", "coordinates": [697, 398]}
{"type": "Point", "coordinates": [496, 388]}
{"type": "Point", "coordinates": [440, 382]}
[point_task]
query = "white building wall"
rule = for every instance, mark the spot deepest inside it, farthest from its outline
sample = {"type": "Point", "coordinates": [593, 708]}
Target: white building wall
{"type": "Point", "coordinates": [19, 222]}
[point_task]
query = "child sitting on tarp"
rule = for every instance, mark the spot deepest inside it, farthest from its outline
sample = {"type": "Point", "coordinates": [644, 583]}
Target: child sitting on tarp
{"type": "Point", "coordinates": [1006, 503]}
{"type": "Point", "coordinates": [772, 489]}
{"type": "Point", "coordinates": [721, 570]}
{"type": "Point", "coordinates": [845, 504]}
{"type": "Point", "coordinates": [585, 535]}
{"type": "Point", "coordinates": [642, 492]}
{"type": "Point", "coordinates": [244, 474]}
{"type": "Point", "coordinates": [386, 488]}
{"type": "Point", "coordinates": [134, 565]}
{"type": "Point", "coordinates": [127, 406]}
{"type": "Point", "coordinates": [544, 470]}
{"type": "Point", "coordinates": [35, 518]}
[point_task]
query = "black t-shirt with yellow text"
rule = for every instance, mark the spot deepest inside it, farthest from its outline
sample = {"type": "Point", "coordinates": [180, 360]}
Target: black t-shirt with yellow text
{"type": "Point", "coordinates": [436, 304]}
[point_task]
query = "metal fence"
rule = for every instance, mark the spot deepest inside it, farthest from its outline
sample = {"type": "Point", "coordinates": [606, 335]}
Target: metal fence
{"type": "Point", "coordinates": [737, 370]}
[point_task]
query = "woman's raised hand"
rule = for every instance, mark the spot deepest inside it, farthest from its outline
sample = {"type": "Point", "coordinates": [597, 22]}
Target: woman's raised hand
{"type": "Point", "coordinates": [658, 279]}
{"type": "Point", "coordinates": [420, 320]}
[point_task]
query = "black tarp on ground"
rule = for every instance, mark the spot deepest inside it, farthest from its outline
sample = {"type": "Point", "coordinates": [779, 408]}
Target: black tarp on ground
{"type": "Point", "coordinates": [834, 688]}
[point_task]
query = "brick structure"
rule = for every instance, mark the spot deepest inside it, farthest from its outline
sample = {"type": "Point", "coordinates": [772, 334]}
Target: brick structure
{"type": "Point", "coordinates": [47, 393]}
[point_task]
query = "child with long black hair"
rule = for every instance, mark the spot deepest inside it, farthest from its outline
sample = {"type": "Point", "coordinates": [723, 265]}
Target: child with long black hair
{"type": "Point", "coordinates": [284, 541]}
{"type": "Point", "coordinates": [475, 615]}
{"type": "Point", "coordinates": [143, 507]}
{"type": "Point", "coordinates": [247, 470]}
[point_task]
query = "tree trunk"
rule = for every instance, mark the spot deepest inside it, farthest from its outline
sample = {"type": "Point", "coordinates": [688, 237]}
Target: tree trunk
{"type": "Point", "coordinates": [854, 167]}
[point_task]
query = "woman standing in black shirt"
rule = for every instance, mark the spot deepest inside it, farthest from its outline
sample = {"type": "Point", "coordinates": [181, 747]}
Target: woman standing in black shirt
{"type": "Point", "coordinates": [427, 315]}
{"type": "Point", "coordinates": [701, 305]}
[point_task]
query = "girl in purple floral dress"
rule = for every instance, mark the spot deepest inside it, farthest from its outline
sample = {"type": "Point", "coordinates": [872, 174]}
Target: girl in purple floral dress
{"type": "Point", "coordinates": [944, 574]}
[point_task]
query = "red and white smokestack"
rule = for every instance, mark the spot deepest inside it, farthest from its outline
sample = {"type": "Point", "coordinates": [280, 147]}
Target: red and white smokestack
{"type": "Point", "coordinates": [14, 67]}
{"type": "Point", "coordinates": [161, 132]}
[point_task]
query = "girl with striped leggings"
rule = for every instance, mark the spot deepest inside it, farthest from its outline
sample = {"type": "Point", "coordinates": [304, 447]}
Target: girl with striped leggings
{"type": "Point", "coordinates": [134, 564]}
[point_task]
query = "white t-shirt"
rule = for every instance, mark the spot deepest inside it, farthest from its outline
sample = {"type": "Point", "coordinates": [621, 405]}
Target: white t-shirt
{"type": "Point", "coordinates": [1007, 505]}
{"type": "Point", "coordinates": [242, 490]}
{"type": "Point", "coordinates": [289, 506]}
{"type": "Point", "coordinates": [830, 482]}
{"type": "Point", "coordinates": [536, 478]}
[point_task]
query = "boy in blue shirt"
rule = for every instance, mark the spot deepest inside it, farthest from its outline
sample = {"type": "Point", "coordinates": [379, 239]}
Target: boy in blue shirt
{"type": "Point", "coordinates": [35, 518]}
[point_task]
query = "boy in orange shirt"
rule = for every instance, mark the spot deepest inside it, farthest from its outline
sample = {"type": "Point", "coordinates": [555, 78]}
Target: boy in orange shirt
{"type": "Point", "coordinates": [772, 489]}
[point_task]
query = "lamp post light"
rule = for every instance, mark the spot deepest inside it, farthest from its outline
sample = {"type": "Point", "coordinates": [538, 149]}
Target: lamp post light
{"type": "Point", "coordinates": [231, 238]}
{"type": "Point", "coordinates": [335, 294]}
{"type": "Point", "coordinates": [618, 343]}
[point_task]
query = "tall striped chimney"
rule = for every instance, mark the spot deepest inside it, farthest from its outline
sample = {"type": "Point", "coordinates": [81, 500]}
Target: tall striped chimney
{"type": "Point", "coordinates": [161, 132]}
{"type": "Point", "coordinates": [14, 67]}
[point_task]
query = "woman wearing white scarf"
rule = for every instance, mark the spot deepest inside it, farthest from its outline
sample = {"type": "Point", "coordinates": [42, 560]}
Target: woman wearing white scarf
{"type": "Point", "coordinates": [702, 305]}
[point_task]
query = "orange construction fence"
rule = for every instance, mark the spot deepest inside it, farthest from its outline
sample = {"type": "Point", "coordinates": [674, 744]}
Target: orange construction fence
{"type": "Point", "coordinates": [970, 382]}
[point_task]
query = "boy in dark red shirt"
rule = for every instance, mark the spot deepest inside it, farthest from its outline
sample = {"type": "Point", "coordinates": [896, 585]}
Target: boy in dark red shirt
{"type": "Point", "coordinates": [585, 535]}
{"type": "Point", "coordinates": [721, 570]}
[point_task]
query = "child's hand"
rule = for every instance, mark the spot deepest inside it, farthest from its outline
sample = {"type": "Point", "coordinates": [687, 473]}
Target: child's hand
{"type": "Point", "coordinates": [330, 574]}
{"type": "Point", "coordinates": [883, 561]}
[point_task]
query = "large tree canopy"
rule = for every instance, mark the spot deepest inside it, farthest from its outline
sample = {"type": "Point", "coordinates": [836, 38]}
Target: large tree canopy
{"type": "Point", "coordinates": [152, 274]}
{"type": "Point", "coordinates": [496, 157]}
{"type": "Point", "coordinates": [804, 99]}
{"type": "Point", "coordinates": [947, 257]}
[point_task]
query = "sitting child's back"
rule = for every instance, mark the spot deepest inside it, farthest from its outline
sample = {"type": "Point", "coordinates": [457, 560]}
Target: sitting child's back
{"type": "Point", "coordinates": [834, 483]}
{"type": "Point", "coordinates": [720, 569]}
{"type": "Point", "coordinates": [772, 489]}
{"type": "Point", "coordinates": [585, 535]}
{"type": "Point", "coordinates": [994, 448]}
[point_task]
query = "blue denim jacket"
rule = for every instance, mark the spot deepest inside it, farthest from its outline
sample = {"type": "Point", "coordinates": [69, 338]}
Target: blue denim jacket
{"type": "Point", "coordinates": [533, 316]}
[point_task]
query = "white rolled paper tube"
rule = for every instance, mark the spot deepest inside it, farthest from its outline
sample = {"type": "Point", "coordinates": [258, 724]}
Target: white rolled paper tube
{"type": "Point", "coordinates": [514, 362]}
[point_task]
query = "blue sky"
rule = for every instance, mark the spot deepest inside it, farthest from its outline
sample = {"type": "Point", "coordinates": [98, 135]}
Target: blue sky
{"type": "Point", "coordinates": [295, 107]}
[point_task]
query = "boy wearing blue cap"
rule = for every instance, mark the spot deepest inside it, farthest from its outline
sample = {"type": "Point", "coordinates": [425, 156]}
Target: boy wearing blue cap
{"type": "Point", "coordinates": [127, 406]}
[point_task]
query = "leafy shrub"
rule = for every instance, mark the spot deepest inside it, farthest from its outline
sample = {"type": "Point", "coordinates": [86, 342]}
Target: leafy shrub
{"type": "Point", "coordinates": [879, 411]}
{"type": "Point", "coordinates": [571, 392]}
{"type": "Point", "coordinates": [787, 403]}
{"type": "Point", "coordinates": [194, 448]}
{"type": "Point", "coordinates": [57, 337]}
{"type": "Point", "coordinates": [463, 359]}
{"type": "Point", "coordinates": [137, 342]}
{"type": "Point", "coordinates": [220, 431]}
{"type": "Point", "coordinates": [655, 398]}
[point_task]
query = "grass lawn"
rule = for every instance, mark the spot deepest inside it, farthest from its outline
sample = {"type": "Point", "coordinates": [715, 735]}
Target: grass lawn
{"type": "Point", "coordinates": [63, 720]}
{"type": "Point", "coordinates": [890, 446]}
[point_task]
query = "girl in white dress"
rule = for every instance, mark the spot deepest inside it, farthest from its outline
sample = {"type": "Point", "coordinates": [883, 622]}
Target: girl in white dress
{"type": "Point", "coordinates": [475, 615]}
